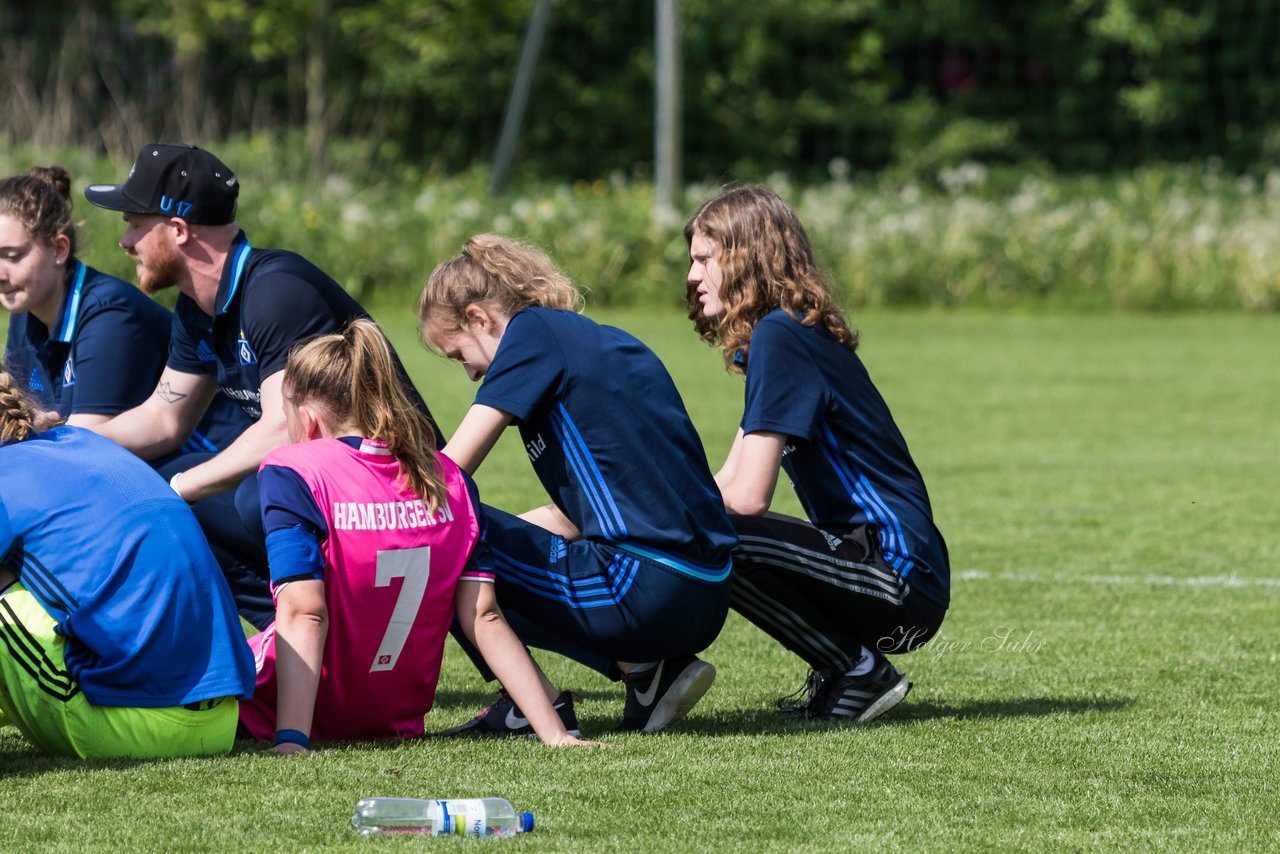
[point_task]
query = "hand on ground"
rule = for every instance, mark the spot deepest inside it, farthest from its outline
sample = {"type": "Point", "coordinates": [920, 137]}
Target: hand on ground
{"type": "Point", "coordinates": [573, 741]}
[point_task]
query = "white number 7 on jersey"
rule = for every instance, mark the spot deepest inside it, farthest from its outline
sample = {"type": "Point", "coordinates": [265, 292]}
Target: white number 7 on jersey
{"type": "Point", "coordinates": [414, 566]}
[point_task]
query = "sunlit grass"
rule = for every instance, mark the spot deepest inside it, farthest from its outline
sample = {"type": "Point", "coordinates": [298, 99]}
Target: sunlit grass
{"type": "Point", "coordinates": [1106, 678]}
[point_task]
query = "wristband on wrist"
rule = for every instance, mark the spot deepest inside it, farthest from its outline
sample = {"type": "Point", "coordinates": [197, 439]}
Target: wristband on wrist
{"type": "Point", "coordinates": [173, 484]}
{"type": "Point", "coordinates": [292, 736]}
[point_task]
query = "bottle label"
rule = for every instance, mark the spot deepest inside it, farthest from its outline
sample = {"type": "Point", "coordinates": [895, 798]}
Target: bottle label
{"type": "Point", "coordinates": [474, 818]}
{"type": "Point", "coordinates": [464, 817]}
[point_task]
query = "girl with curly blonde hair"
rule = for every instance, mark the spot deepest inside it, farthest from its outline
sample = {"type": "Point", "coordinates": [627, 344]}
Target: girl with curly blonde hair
{"type": "Point", "coordinates": [867, 573]}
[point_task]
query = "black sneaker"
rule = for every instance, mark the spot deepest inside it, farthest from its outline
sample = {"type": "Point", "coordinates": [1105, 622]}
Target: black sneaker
{"type": "Point", "coordinates": [502, 718]}
{"type": "Point", "coordinates": [859, 699]}
{"type": "Point", "coordinates": [659, 697]}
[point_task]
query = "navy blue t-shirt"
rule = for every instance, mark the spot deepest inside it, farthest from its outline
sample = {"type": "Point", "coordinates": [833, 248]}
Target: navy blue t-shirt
{"type": "Point", "coordinates": [844, 454]}
{"type": "Point", "coordinates": [104, 356]}
{"type": "Point", "coordinates": [120, 564]}
{"type": "Point", "coordinates": [608, 435]}
{"type": "Point", "coordinates": [268, 300]}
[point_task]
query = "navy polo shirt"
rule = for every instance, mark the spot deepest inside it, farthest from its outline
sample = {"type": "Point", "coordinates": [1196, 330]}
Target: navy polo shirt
{"type": "Point", "coordinates": [608, 435]}
{"type": "Point", "coordinates": [844, 454]}
{"type": "Point", "coordinates": [104, 355]}
{"type": "Point", "coordinates": [268, 300]}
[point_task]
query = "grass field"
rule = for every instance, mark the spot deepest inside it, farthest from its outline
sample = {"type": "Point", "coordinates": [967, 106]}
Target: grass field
{"type": "Point", "coordinates": [1107, 678]}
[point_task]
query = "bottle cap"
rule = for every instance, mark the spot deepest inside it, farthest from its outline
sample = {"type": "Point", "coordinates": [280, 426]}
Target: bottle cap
{"type": "Point", "coordinates": [526, 822]}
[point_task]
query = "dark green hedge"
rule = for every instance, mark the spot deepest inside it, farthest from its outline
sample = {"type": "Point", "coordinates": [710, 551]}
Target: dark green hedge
{"type": "Point", "coordinates": [806, 87]}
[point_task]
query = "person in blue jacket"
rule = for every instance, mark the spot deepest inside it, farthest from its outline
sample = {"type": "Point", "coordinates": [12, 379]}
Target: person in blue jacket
{"type": "Point", "coordinates": [118, 635]}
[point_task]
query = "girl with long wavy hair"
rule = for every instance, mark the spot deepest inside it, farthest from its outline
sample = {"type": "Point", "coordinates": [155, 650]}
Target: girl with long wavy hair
{"type": "Point", "coordinates": [372, 539]}
{"type": "Point", "coordinates": [626, 570]}
{"type": "Point", "coordinates": [867, 573]}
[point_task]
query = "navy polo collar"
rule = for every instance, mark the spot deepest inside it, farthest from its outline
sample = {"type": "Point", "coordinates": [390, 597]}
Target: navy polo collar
{"type": "Point", "coordinates": [68, 320]}
{"type": "Point", "coordinates": [233, 273]}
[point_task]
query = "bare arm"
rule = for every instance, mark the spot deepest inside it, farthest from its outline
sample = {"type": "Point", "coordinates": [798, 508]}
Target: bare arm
{"type": "Point", "coordinates": [550, 518]}
{"type": "Point", "coordinates": [302, 624]}
{"type": "Point", "coordinates": [163, 421]}
{"type": "Point", "coordinates": [484, 625]}
{"type": "Point", "coordinates": [476, 436]}
{"type": "Point", "coordinates": [756, 458]}
{"type": "Point", "coordinates": [730, 467]}
{"type": "Point", "coordinates": [243, 456]}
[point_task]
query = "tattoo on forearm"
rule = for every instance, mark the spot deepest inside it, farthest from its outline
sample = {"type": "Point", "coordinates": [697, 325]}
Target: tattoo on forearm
{"type": "Point", "coordinates": [166, 393]}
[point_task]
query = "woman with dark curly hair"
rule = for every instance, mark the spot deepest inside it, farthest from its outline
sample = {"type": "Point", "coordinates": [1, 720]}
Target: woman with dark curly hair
{"type": "Point", "coordinates": [867, 573]}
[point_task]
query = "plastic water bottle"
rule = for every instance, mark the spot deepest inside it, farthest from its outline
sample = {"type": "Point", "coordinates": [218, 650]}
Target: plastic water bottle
{"type": "Point", "coordinates": [455, 817]}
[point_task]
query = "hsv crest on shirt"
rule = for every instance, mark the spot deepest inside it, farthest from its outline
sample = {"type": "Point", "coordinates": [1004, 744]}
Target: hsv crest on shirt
{"type": "Point", "coordinates": [247, 356]}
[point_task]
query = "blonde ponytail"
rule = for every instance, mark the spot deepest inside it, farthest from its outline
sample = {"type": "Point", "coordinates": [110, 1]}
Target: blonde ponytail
{"type": "Point", "coordinates": [353, 375]}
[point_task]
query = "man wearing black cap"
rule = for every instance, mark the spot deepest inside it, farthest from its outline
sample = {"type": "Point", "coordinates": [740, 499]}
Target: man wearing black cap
{"type": "Point", "coordinates": [239, 312]}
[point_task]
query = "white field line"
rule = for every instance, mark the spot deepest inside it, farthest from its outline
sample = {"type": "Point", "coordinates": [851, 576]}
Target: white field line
{"type": "Point", "coordinates": [1123, 580]}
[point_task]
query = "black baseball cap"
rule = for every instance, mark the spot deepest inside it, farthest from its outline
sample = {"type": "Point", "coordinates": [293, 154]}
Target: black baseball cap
{"type": "Point", "coordinates": [173, 180]}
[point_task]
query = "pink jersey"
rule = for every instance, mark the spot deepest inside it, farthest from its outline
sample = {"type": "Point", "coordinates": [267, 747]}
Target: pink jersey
{"type": "Point", "coordinates": [391, 568]}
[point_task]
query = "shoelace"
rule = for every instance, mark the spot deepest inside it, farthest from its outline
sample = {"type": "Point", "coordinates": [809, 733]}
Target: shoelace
{"type": "Point", "coordinates": [800, 699]}
{"type": "Point", "coordinates": [502, 695]}
{"type": "Point", "coordinates": [564, 697]}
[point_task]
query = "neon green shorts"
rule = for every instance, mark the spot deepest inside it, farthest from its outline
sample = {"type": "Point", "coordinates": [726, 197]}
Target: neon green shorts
{"type": "Point", "coordinates": [38, 695]}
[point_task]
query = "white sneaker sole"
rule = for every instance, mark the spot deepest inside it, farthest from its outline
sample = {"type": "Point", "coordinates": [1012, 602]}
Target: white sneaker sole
{"type": "Point", "coordinates": [682, 696]}
{"type": "Point", "coordinates": [885, 701]}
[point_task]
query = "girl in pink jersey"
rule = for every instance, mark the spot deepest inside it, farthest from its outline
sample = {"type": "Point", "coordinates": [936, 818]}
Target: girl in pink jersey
{"type": "Point", "coordinates": [372, 539]}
